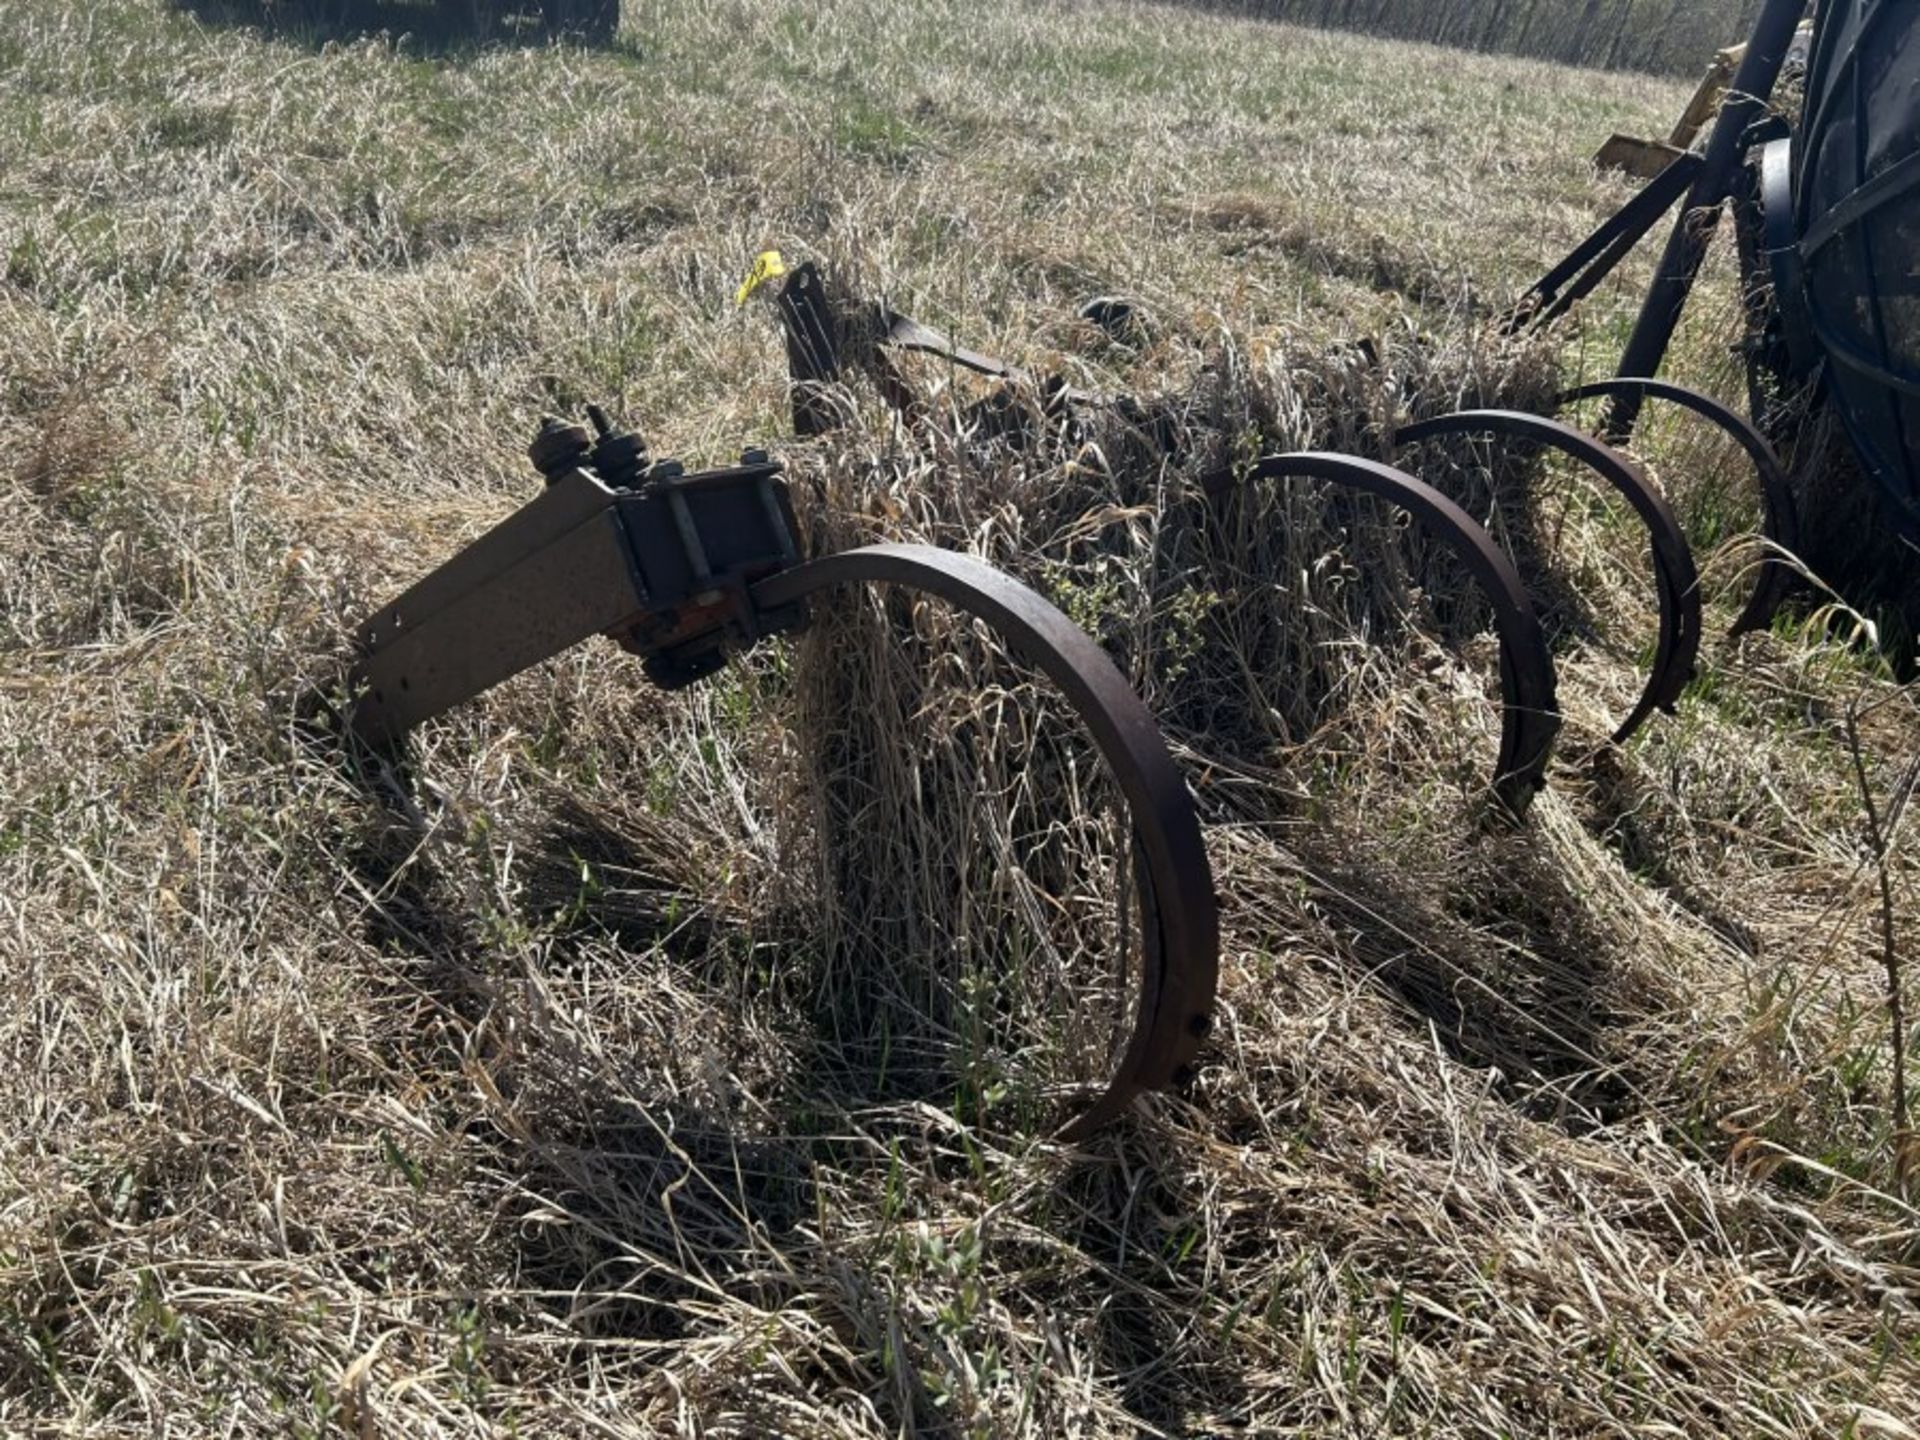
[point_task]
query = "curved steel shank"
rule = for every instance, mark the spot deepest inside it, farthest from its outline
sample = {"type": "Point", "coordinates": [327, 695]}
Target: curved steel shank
{"type": "Point", "coordinates": [1675, 577]}
{"type": "Point", "coordinates": [1531, 716]}
{"type": "Point", "coordinates": [1181, 963]}
{"type": "Point", "coordinates": [1780, 518]}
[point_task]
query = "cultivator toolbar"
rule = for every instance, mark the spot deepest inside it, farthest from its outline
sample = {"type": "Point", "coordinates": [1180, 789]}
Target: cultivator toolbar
{"type": "Point", "coordinates": [1827, 211]}
{"type": "Point", "coordinates": [687, 570]}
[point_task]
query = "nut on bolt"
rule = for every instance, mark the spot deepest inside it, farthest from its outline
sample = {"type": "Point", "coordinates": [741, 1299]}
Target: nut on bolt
{"type": "Point", "coordinates": [560, 447]}
{"type": "Point", "coordinates": [619, 456]}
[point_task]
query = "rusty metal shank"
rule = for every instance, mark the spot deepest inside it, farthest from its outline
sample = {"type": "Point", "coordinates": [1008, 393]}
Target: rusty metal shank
{"type": "Point", "coordinates": [906, 334]}
{"type": "Point", "coordinates": [1675, 577]}
{"type": "Point", "coordinates": [814, 331]}
{"type": "Point", "coordinates": [812, 334]}
{"type": "Point", "coordinates": [1531, 715]}
{"type": "Point", "coordinates": [1180, 965]}
{"type": "Point", "coordinates": [1780, 517]}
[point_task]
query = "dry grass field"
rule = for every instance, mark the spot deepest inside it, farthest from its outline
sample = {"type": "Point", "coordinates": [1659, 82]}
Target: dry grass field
{"type": "Point", "coordinates": [644, 1064]}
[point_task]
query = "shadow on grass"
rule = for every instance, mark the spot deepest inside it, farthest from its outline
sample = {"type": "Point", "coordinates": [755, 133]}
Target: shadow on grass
{"type": "Point", "coordinates": [870, 1027]}
{"type": "Point", "coordinates": [645, 1208]}
{"type": "Point", "coordinates": [1175, 1374]}
{"type": "Point", "coordinates": [632, 1193]}
{"type": "Point", "coordinates": [1502, 961]}
{"type": "Point", "coordinates": [437, 26]}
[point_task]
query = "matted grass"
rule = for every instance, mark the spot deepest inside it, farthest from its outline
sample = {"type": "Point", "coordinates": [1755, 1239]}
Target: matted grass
{"type": "Point", "coordinates": [649, 1071]}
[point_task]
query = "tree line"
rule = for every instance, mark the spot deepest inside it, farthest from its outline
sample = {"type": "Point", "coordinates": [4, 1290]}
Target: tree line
{"type": "Point", "coordinates": [1675, 37]}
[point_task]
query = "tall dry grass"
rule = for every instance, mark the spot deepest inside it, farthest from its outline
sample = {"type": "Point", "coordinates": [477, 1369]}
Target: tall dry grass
{"type": "Point", "coordinates": [679, 1064]}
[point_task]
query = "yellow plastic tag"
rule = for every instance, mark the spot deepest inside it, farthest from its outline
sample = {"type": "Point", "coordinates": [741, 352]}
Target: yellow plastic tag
{"type": "Point", "coordinates": [767, 265]}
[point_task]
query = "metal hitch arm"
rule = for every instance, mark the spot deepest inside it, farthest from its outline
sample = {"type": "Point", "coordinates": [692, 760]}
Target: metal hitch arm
{"type": "Point", "coordinates": [1597, 256]}
{"type": "Point", "coordinates": [1748, 94]}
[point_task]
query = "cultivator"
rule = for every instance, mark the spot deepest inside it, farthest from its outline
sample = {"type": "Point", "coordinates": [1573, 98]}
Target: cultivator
{"type": "Point", "coordinates": [689, 570]}
{"type": "Point", "coordinates": [686, 570]}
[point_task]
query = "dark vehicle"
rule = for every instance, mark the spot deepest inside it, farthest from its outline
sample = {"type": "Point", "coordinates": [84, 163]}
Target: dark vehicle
{"type": "Point", "coordinates": [443, 22]}
{"type": "Point", "coordinates": [1850, 274]}
{"type": "Point", "coordinates": [1827, 210]}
